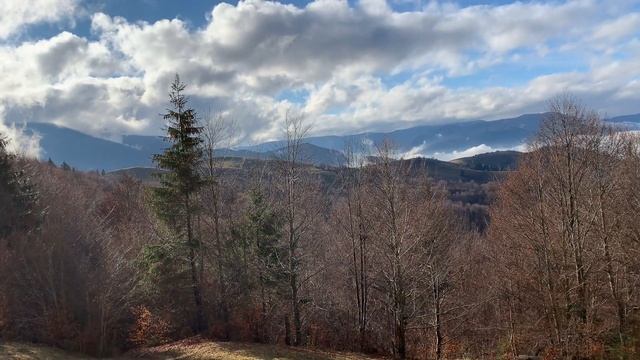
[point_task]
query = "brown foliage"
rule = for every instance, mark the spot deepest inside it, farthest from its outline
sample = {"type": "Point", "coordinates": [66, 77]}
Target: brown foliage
{"type": "Point", "coordinates": [148, 329]}
{"type": "Point", "coordinates": [375, 258]}
{"type": "Point", "coordinates": [558, 237]}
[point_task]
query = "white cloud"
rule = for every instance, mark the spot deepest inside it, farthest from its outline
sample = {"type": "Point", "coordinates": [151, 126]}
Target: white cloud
{"type": "Point", "coordinates": [472, 151]}
{"type": "Point", "coordinates": [416, 151]}
{"type": "Point", "coordinates": [70, 81]}
{"type": "Point", "coordinates": [18, 142]}
{"type": "Point", "coordinates": [341, 55]}
{"type": "Point", "coordinates": [16, 14]}
{"type": "Point", "coordinates": [618, 28]}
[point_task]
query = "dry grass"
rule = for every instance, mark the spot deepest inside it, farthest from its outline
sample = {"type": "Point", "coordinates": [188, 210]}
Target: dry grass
{"type": "Point", "coordinates": [20, 351]}
{"type": "Point", "coordinates": [194, 348]}
{"type": "Point", "coordinates": [197, 349]}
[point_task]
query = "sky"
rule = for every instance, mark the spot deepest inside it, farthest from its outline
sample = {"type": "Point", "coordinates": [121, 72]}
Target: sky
{"type": "Point", "coordinates": [103, 67]}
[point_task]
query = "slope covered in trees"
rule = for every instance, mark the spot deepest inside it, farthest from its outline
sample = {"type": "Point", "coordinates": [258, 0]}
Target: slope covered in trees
{"type": "Point", "coordinates": [375, 258]}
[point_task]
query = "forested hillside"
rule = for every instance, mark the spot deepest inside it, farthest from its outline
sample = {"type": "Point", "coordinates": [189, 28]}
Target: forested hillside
{"type": "Point", "coordinates": [385, 257]}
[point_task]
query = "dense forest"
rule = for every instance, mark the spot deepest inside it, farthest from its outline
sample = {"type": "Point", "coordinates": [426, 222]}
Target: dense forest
{"type": "Point", "coordinates": [374, 257]}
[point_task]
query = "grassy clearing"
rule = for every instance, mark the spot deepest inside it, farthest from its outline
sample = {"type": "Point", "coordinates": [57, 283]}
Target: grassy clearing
{"type": "Point", "coordinates": [22, 351]}
{"type": "Point", "coordinates": [201, 350]}
{"type": "Point", "coordinates": [194, 348]}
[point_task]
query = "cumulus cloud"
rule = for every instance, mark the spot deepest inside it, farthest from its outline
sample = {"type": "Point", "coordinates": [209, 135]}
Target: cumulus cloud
{"type": "Point", "coordinates": [18, 141]}
{"type": "Point", "coordinates": [21, 143]}
{"type": "Point", "coordinates": [420, 151]}
{"type": "Point", "coordinates": [362, 66]}
{"type": "Point", "coordinates": [16, 15]}
{"type": "Point", "coordinates": [68, 80]}
{"type": "Point", "coordinates": [260, 40]}
{"type": "Point", "coordinates": [474, 150]}
{"type": "Point", "coordinates": [416, 151]}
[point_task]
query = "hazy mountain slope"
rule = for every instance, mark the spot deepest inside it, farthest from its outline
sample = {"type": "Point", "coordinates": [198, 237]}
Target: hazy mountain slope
{"type": "Point", "coordinates": [493, 161]}
{"type": "Point", "coordinates": [628, 122]}
{"type": "Point", "coordinates": [243, 170]}
{"type": "Point", "coordinates": [156, 144]}
{"type": "Point", "coordinates": [86, 152]}
{"type": "Point", "coordinates": [451, 172]}
{"type": "Point", "coordinates": [83, 151]}
{"type": "Point", "coordinates": [633, 118]}
{"type": "Point", "coordinates": [505, 133]}
{"type": "Point", "coordinates": [427, 140]}
{"type": "Point", "coordinates": [312, 154]}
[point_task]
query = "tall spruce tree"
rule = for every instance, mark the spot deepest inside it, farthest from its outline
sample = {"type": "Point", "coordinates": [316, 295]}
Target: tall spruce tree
{"type": "Point", "coordinates": [175, 198]}
{"type": "Point", "coordinates": [258, 265]}
{"type": "Point", "coordinates": [18, 196]}
{"type": "Point", "coordinates": [7, 191]}
{"type": "Point", "coordinates": [265, 230]}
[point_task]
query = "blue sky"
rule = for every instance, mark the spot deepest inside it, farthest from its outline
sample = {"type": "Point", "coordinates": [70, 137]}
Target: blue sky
{"type": "Point", "coordinates": [103, 67]}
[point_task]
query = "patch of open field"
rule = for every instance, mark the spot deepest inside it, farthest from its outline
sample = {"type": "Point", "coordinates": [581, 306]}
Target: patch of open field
{"type": "Point", "coordinates": [22, 351]}
{"type": "Point", "coordinates": [194, 348]}
{"type": "Point", "coordinates": [207, 350]}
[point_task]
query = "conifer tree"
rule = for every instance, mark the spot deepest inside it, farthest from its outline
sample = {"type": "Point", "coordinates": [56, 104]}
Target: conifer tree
{"type": "Point", "coordinates": [18, 197]}
{"type": "Point", "coordinates": [175, 199]}
{"type": "Point", "coordinates": [259, 234]}
{"type": "Point", "coordinates": [265, 230]}
{"type": "Point", "coordinates": [7, 189]}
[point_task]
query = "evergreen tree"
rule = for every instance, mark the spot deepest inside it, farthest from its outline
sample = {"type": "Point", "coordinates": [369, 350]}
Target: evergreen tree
{"type": "Point", "coordinates": [259, 234]}
{"type": "Point", "coordinates": [17, 196]}
{"type": "Point", "coordinates": [7, 189]}
{"type": "Point", "coordinates": [175, 198]}
{"type": "Point", "coordinates": [265, 229]}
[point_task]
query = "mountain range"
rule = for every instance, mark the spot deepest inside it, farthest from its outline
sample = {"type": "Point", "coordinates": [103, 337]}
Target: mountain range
{"type": "Point", "coordinates": [447, 141]}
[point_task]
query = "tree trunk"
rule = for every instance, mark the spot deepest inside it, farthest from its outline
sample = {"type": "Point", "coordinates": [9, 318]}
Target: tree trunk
{"type": "Point", "coordinates": [549, 281]}
{"type": "Point", "coordinates": [287, 330]}
{"type": "Point", "coordinates": [401, 351]}
{"type": "Point", "coordinates": [201, 321]}
{"type": "Point", "coordinates": [399, 318]}
{"type": "Point", "coordinates": [436, 321]}
{"type": "Point", "coordinates": [222, 286]}
{"type": "Point", "coordinates": [295, 308]}
{"type": "Point", "coordinates": [613, 288]}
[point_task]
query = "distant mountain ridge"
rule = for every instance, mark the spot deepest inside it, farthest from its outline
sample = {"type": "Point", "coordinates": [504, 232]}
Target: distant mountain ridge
{"type": "Point", "coordinates": [504, 133]}
{"type": "Point", "coordinates": [438, 170]}
{"type": "Point", "coordinates": [493, 161]}
{"type": "Point", "coordinates": [86, 152]}
{"type": "Point", "coordinates": [83, 151]}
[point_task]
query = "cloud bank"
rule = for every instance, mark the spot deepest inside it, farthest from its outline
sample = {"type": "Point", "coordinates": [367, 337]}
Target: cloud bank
{"type": "Point", "coordinates": [348, 67]}
{"type": "Point", "coordinates": [16, 15]}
